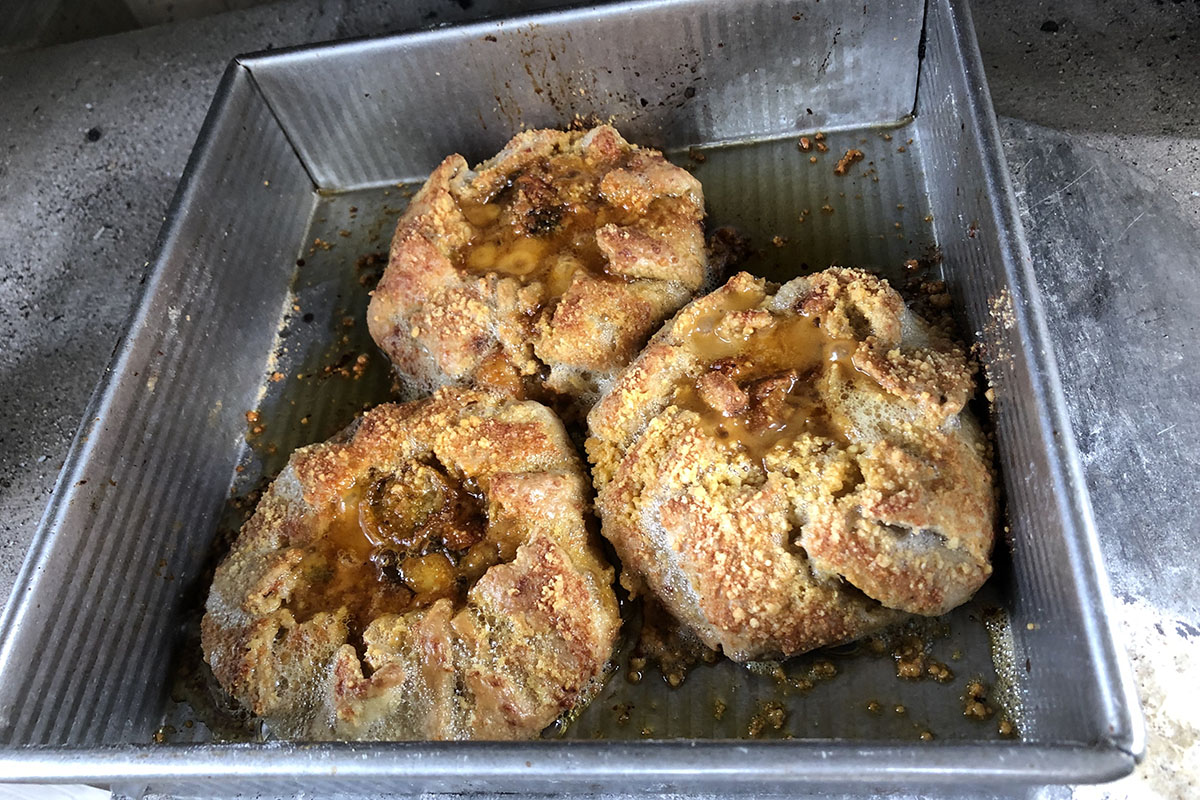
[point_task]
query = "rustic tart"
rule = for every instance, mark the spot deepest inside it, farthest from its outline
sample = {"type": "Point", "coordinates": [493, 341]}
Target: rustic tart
{"type": "Point", "coordinates": [425, 575]}
{"type": "Point", "coordinates": [787, 467]}
{"type": "Point", "coordinates": [543, 270]}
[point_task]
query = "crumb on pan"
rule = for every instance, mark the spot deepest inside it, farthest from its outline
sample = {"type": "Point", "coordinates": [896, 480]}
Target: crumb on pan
{"type": "Point", "coordinates": [843, 164]}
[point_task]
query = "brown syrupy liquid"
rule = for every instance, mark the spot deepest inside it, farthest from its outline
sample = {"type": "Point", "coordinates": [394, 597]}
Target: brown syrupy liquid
{"type": "Point", "coordinates": [777, 365]}
{"type": "Point", "coordinates": [542, 225]}
{"type": "Point", "coordinates": [400, 541]}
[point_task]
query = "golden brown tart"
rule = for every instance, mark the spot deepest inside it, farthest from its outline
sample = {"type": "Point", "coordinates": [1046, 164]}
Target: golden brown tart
{"type": "Point", "coordinates": [425, 575]}
{"type": "Point", "coordinates": [787, 467]}
{"type": "Point", "coordinates": [544, 269]}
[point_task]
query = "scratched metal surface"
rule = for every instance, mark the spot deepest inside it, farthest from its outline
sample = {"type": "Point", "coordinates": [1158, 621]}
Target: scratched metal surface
{"type": "Point", "coordinates": [1120, 270]}
{"type": "Point", "coordinates": [1118, 262]}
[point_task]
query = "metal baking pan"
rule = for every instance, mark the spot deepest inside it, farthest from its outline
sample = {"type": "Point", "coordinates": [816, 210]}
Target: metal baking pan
{"type": "Point", "coordinates": [254, 302]}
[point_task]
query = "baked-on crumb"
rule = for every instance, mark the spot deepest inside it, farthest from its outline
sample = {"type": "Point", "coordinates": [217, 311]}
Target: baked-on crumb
{"type": "Point", "coordinates": [674, 650]}
{"type": "Point", "coordinates": [975, 703]}
{"type": "Point", "coordinates": [544, 269]}
{"type": "Point", "coordinates": [771, 715]}
{"type": "Point", "coordinates": [787, 467]}
{"type": "Point", "coordinates": [843, 164]}
{"type": "Point", "coordinates": [426, 574]}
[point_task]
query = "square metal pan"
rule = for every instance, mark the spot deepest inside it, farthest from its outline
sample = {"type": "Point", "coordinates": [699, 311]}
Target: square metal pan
{"type": "Point", "coordinates": [296, 138]}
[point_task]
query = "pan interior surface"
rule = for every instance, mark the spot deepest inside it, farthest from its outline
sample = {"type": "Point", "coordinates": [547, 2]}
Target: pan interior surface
{"type": "Point", "coordinates": [800, 216]}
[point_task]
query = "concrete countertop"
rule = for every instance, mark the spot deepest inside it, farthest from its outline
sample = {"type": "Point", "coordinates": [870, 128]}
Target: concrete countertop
{"type": "Point", "coordinates": [1100, 113]}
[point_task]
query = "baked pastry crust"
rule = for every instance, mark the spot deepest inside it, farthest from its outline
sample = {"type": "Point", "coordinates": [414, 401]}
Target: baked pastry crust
{"type": "Point", "coordinates": [544, 269]}
{"type": "Point", "coordinates": [787, 467]}
{"type": "Point", "coordinates": [328, 633]}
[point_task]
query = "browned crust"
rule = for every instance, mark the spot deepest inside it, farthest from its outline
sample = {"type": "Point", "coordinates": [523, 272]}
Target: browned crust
{"type": "Point", "coordinates": [441, 323]}
{"type": "Point", "coordinates": [532, 638]}
{"type": "Point", "coordinates": [817, 541]}
{"type": "Point", "coordinates": [934, 374]}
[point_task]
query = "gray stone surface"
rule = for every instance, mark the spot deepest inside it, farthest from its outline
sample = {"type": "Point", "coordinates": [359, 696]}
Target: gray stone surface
{"type": "Point", "coordinates": [1122, 78]}
{"type": "Point", "coordinates": [92, 143]}
{"type": "Point", "coordinates": [1110, 195]}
